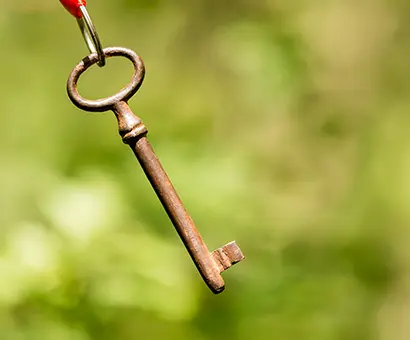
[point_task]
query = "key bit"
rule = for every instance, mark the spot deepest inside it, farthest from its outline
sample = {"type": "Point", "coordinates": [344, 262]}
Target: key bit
{"type": "Point", "coordinates": [134, 133]}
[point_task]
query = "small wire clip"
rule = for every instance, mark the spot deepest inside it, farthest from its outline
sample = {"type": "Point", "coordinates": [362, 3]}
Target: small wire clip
{"type": "Point", "coordinates": [78, 9]}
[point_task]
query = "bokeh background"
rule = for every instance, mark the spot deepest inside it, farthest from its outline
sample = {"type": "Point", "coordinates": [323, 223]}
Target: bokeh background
{"type": "Point", "coordinates": [283, 124]}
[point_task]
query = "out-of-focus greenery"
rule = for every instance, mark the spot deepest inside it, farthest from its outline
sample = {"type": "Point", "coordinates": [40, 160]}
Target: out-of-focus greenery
{"type": "Point", "coordinates": [283, 125]}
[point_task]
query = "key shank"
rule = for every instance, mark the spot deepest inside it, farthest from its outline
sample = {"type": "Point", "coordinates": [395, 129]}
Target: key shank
{"type": "Point", "coordinates": [134, 133]}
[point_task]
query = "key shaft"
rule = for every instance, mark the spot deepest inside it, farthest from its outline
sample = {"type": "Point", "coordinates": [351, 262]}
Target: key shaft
{"type": "Point", "coordinates": [134, 133]}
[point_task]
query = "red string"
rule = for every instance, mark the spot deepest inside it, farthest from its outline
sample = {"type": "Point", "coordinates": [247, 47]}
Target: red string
{"type": "Point", "coordinates": [73, 6]}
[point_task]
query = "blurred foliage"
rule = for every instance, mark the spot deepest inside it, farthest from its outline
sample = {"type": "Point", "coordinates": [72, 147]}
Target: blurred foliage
{"type": "Point", "coordinates": [283, 124]}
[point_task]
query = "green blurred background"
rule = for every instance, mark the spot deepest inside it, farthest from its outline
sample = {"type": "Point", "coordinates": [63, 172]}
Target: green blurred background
{"type": "Point", "coordinates": [283, 124]}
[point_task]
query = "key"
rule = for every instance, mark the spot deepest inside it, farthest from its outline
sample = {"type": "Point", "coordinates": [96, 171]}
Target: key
{"type": "Point", "coordinates": [134, 133]}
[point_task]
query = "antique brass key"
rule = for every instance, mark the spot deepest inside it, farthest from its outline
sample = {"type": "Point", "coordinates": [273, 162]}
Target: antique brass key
{"type": "Point", "coordinates": [134, 133]}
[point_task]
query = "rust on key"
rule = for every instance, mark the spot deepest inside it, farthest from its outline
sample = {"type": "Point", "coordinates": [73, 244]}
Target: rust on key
{"type": "Point", "coordinates": [134, 133]}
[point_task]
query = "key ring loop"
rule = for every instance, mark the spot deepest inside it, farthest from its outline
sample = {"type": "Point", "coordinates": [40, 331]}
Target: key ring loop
{"type": "Point", "coordinates": [106, 104]}
{"type": "Point", "coordinates": [90, 35]}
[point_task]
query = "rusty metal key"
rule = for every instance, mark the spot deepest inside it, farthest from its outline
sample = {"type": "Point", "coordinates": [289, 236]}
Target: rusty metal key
{"type": "Point", "coordinates": [134, 133]}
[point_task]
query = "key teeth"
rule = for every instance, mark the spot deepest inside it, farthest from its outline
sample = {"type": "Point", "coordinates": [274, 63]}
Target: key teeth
{"type": "Point", "coordinates": [228, 255]}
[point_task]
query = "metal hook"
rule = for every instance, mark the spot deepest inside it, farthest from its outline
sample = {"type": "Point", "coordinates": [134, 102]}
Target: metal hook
{"type": "Point", "coordinates": [90, 35]}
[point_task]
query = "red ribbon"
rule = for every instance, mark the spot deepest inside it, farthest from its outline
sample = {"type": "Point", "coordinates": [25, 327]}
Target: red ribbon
{"type": "Point", "coordinates": [73, 6]}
